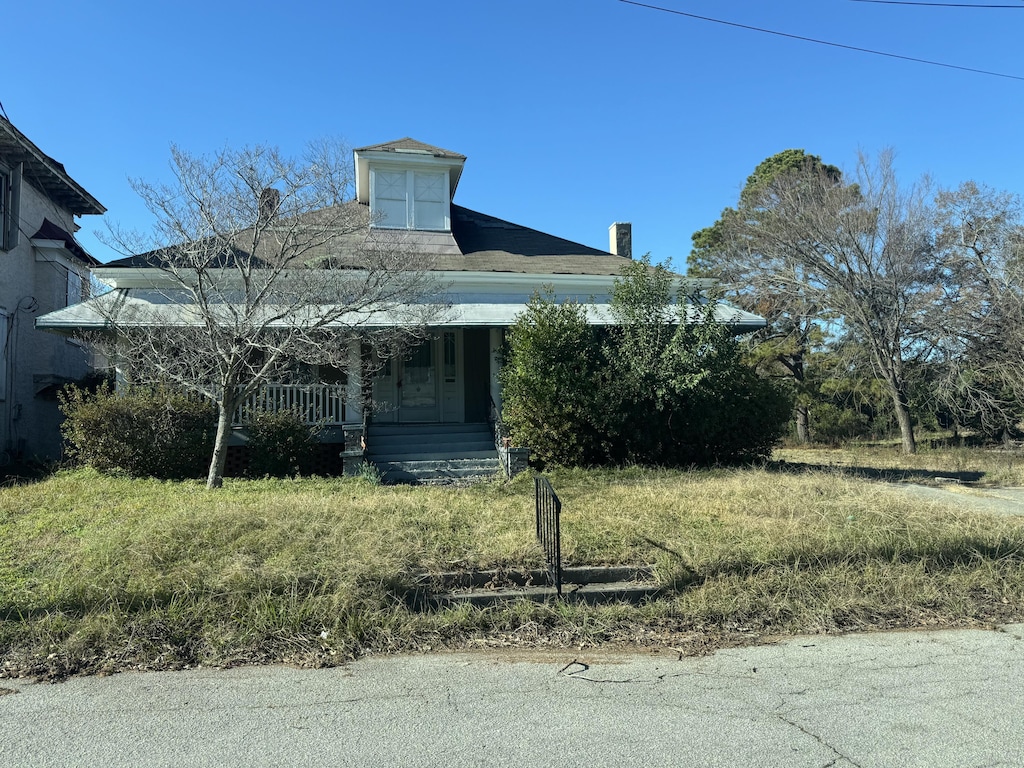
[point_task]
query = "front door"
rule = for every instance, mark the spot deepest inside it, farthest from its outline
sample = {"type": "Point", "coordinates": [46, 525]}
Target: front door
{"type": "Point", "coordinates": [416, 381]}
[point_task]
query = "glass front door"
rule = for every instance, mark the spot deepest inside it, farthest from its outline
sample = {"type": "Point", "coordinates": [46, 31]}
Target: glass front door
{"type": "Point", "coordinates": [417, 385]}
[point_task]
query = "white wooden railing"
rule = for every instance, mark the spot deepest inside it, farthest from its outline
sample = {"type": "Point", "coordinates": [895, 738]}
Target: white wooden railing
{"type": "Point", "coordinates": [322, 404]}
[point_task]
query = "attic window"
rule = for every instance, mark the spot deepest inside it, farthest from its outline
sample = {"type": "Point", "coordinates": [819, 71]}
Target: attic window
{"type": "Point", "coordinates": [410, 199]}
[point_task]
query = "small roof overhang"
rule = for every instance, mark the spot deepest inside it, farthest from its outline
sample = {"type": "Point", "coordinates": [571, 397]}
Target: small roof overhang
{"type": "Point", "coordinates": [405, 151]}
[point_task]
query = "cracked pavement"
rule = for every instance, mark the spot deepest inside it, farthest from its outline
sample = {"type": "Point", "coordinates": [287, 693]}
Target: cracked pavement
{"type": "Point", "coordinates": [947, 698]}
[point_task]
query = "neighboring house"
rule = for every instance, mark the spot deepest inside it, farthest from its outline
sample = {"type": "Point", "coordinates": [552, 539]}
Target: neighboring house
{"type": "Point", "coordinates": [447, 391]}
{"type": "Point", "coordinates": [42, 269]}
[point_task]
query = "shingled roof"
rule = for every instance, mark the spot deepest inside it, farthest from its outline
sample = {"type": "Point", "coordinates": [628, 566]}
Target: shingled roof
{"type": "Point", "coordinates": [477, 243]}
{"type": "Point", "coordinates": [411, 145]}
{"type": "Point", "coordinates": [45, 173]}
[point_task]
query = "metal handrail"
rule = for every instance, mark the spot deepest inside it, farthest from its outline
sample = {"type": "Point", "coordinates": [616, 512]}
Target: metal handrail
{"type": "Point", "coordinates": [549, 530]}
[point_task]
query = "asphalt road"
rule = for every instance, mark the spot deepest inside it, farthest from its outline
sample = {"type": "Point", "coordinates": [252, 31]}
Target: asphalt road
{"type": "Point", "coordinates": [951, 698]}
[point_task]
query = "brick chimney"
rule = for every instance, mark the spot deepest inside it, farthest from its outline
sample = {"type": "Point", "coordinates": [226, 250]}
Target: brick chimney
{"type": "Point", "coordinates": [270, 202]}
{"type": "Point", "coordinates": [620, 237]}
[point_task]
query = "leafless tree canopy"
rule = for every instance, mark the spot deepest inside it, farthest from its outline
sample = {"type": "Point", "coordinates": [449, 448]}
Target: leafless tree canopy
{"type": "Point", "coordinates": [861, 251]}
{"type": "Point", "coordinates": [907, 277]}
{"type": "Point", "coordinates": [980, 335]}
{"type": "Point", "coordinates": [257, 262]}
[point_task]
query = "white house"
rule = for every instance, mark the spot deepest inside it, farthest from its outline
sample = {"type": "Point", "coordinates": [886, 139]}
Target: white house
{"type": "Point", "coordinates": [42, 269]}
{"type": "Point", "coordinates": [439, 402]}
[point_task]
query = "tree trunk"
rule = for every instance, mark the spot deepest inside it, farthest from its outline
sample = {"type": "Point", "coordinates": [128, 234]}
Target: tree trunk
{"type": "Point", "coordinates": [803, 432]}
{"type": "Point", "coordinates": [215, 478]}
{"type": "Point", "coordinates": [899, 402]}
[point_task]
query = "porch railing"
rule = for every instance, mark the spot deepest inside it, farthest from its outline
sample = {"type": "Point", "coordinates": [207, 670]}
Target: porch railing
{"type": "Point", "coordinates": [549, 533]}
{"type": "Point", "coordinates": [322, 404]}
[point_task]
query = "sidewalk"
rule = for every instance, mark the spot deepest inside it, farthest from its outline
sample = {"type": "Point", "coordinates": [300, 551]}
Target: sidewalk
{"type": "Point", "coordinates": [951, 698]}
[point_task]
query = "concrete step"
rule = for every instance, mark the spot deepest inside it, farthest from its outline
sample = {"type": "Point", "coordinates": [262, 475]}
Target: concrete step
{"type": "Point", "coordinates": [434, 453]}
{"type": "Point", "coordinates": [438, 470]}
{"type": "Point", "coordinates": [412, 453]}
{"type": "Point", "coordinates": [590, 584]}
{"type": "Point", "coordinates": [384, 430]}
{"type": "Point", "coordinates": [590, 574]}
{"type": "Point", "coordinates": [592, 594]}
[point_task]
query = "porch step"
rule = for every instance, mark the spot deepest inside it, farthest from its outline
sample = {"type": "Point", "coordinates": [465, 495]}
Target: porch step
{"type": "Point", "coordinates": [424, 453]}
{"type": "Point", "coordinates": [434, 454]}
{"type": "Point", "coordinates": [437, 471]}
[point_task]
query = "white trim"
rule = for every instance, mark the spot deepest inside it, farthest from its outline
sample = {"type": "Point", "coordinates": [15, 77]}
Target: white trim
{"type": "Point", "coordinates": [57, 252]}
{"type": "Point", "coordinates": [364, 161]}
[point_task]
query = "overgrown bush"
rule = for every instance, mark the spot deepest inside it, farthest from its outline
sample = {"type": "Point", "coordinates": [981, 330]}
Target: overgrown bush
{"type": "Point", "coordinates": [549, 383]}
{"type": "Point", "coordinates": [647, 390]}
{"type": "Point", "coordinates": [281, 444]}
{"type": "Point", "coordinates": [141, 432]}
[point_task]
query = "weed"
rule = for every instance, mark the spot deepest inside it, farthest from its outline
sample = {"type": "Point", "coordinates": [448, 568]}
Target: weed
{"type": "Point", "coordinates": [101, 573]}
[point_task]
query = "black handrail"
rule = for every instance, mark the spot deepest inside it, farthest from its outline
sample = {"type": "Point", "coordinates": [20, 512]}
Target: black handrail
{"type": "Point", "coordinates": [549, 534]}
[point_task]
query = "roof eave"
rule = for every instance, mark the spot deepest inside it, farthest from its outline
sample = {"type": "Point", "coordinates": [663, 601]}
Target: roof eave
{"type": "Point", "coordinates": [56, 181]}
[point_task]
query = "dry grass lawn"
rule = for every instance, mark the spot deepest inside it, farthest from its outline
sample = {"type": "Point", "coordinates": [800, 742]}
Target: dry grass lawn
{"type": "Point", "coordinates": [100, 573]}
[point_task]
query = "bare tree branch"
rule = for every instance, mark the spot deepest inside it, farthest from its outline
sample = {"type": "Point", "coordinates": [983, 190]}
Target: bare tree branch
{"type": "Point", "coordinates": [257, 262]}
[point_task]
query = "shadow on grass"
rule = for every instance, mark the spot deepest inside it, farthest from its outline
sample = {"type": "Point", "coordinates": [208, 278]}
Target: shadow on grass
{"type": "Point", "coordinates": [873, 473]}
{"type": "Point", "coordinates": [936, 561]}
{"type": "Point", "coordinates": [25, 473]}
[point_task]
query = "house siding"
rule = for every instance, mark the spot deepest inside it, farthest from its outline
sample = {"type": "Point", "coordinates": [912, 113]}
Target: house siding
{"type": "Point", "coordinates": [29, 424]}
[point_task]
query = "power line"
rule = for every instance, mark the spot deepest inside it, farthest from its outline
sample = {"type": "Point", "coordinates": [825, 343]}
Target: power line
{"type": "Point", "coordinates": [821, 42]}
{"type": "Point", "coordinates": [938, 5]}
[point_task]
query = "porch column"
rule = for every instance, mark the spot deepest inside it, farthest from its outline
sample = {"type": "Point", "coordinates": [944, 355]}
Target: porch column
{"type": "Point", "coordinates": [495, 349]}
{"type": "Point", "coordinates": [353, 389]}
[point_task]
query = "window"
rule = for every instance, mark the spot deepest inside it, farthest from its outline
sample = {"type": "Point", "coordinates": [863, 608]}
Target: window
{"type": "Point", "coordinates": [5, 209]}
{"type": "Point", "coordinates": [410, 199]}
{"type": "Point", "coordinates": [76, 287]}
{"type": "Point", "coordinates": [5, 340]}
{"type": "Point", "coordinates": [450, 365]}
{"type": "Point", "coordinates": [9, 193]}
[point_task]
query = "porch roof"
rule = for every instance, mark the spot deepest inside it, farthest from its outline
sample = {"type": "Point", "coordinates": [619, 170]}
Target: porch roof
{"type": "Point", "coordinates": [473, 300]}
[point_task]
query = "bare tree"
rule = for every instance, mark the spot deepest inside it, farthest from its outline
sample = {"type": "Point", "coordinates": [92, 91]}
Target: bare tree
{"type": "Point", "coordinates": [794, 316]}
{"type": "Point", "coordinates": [980, 331]}
{"type": "Point", "coordinates": [862, 252]}
{"type": "Point", "coordinates": [257, 263]}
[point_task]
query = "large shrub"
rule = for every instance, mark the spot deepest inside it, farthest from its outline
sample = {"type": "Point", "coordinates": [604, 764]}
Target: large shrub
{"type": "Point", "coordinates": [549, 382]}
{"type": "Point", "coordinates": [281, 444]}
{"type": "Point", "coordinates": [142, 432]}
{"type": "Point", "coordinates": [647, 390]}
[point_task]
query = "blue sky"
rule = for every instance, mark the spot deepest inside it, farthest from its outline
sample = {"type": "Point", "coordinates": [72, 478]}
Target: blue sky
{"type": "Point", "coordinates": [573, 113]}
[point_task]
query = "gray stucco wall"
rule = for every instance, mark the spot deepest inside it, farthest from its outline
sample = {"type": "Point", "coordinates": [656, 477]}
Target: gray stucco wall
{"type": "Point", "coordinates": [29, 423]}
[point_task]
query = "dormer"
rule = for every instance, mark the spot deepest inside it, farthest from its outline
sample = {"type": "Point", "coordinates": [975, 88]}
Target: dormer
{"type": "Point", "coordinates": [408, 184]}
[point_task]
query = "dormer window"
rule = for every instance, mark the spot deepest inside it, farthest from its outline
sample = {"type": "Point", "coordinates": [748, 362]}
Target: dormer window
{"type": "Point", "coordinates": [408, 184]}
{"type": "Point", "coordinates": [410, 198]}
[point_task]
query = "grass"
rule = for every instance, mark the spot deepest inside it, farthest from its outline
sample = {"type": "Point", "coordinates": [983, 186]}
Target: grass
{"type": "Point", "coordinates": [101, 574]}
{"type": "Point", "coordinates": [981, 466]}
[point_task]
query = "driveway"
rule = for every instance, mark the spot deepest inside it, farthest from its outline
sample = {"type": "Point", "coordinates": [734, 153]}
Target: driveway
{"type": "Point", "coordinates": [996, 501]}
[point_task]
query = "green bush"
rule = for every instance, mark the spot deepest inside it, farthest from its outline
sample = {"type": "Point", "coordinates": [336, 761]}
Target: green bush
{"type": "Point", "coordinates": [141, 432]}
{"type": "Point", "coordinates": [647, 390]}
{"type": "Point", "coordinates": [834, 424]}
{"type": "Point", "coordinates": [281, 444]}
{"type": "Point", "coordinates": [549, 383]}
